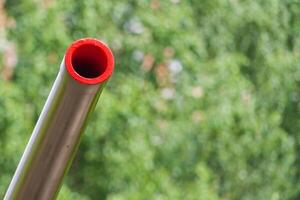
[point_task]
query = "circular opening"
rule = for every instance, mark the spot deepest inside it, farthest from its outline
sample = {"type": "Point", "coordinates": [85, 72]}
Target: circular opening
{"type": "Point", "coordinates": [89, 61]}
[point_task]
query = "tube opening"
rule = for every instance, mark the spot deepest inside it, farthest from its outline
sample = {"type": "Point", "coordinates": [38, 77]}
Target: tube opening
{"type": "Point", "coordinates": [89, 61]}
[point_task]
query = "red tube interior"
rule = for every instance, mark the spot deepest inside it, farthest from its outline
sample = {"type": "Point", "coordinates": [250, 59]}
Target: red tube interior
{"type": "Point", "coordinates": [89, 61]}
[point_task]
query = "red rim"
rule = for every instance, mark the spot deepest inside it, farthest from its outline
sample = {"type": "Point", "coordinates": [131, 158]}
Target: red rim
{"type": "Point", "coordinates": [94, 49]}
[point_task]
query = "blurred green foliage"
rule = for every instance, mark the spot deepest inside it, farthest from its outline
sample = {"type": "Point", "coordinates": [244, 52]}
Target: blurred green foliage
{"type": "Point", "coordinates": [204, 102]}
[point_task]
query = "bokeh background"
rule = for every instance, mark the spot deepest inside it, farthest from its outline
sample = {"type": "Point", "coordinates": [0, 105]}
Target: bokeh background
{"type": "Point", "coordinates": [203, 104]}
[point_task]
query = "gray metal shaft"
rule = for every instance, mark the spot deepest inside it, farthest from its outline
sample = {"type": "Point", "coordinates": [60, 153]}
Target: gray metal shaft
{"type": "Point", "coordinates": [54, 140]}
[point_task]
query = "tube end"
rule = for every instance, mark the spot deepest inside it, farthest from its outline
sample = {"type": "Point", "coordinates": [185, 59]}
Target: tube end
{"type": "Point", "coordinates": [89, 61]}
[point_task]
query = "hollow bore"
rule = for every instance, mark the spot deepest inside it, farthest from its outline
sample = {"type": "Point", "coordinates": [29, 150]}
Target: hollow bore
{"type": "Point", "coordinates": [89, 61]}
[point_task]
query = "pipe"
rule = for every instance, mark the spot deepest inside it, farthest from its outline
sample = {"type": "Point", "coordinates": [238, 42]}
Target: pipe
{"type": "Point", "coordinates": [86, 67]}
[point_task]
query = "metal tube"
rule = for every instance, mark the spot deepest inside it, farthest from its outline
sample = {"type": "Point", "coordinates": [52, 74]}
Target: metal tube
{"type": "Point", "coordinates": [86, 67]}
